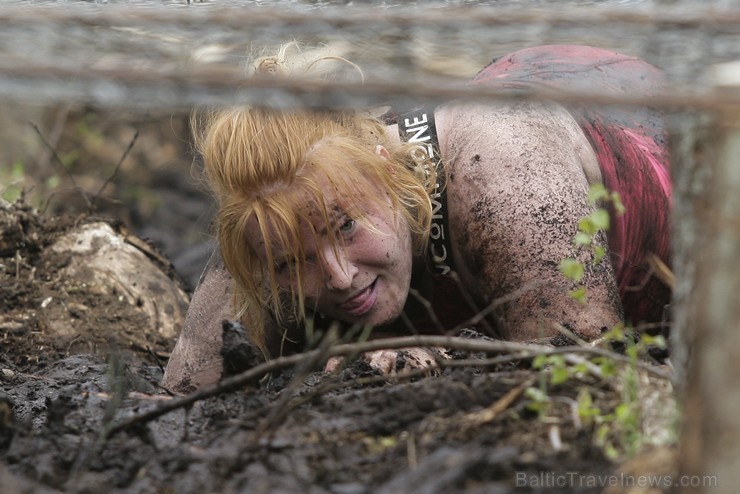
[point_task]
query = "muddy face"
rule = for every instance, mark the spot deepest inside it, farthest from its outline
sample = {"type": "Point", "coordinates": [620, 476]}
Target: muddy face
{"type": "Point", "coordinates": [356, 270]}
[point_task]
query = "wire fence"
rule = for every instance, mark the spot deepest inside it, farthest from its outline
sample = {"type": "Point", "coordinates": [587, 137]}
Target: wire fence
{"type": "Point", "coordinates": [175, 55]}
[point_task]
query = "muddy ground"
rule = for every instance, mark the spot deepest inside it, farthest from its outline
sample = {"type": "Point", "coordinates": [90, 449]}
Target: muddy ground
{"type": "Point", "coordinates": [81, 352]}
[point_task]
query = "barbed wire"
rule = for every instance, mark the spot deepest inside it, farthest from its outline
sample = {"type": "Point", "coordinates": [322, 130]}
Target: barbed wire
{"type": "Point", "coordinates": [132, 88]}
{"type": "Point", "coordinates": [116, 56]}
{"type": "Point", "coordinates": [361, 15]}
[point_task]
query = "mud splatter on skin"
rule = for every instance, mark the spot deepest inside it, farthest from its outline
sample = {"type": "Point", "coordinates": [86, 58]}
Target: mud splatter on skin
{"type": "Point", "coordinates": [514, 209]}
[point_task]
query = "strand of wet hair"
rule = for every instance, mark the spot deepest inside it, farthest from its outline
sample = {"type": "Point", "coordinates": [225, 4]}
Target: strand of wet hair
{"type": "Point", "coordinates": [516, 351]}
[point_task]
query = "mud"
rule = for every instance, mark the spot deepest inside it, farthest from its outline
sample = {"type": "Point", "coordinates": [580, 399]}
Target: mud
{"type": "Point", "coordinates": [354, 432]}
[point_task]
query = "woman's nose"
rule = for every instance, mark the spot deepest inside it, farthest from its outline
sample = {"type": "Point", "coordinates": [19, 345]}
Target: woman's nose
{"type": "Point", "coordinates": [338, 270]}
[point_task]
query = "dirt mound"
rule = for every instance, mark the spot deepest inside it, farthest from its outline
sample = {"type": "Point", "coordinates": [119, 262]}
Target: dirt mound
{"type": "Point", "coordinates": [81, 285]}
{"type": "Point", "coordinates": [90, 313]}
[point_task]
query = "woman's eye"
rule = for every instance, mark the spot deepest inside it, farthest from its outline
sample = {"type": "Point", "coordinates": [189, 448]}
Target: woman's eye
{"type": "Point", "coordinates": [281, 267]}
{"type": "Point", "coordinates": [347, 226]}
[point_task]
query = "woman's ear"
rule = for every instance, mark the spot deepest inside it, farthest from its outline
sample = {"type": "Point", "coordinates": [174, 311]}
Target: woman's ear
{"type": "Point", "coordinates": [381, 151]}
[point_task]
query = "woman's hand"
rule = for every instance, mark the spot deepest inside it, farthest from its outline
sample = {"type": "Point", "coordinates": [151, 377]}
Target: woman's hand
{"type": "Point", "coordinates": [393, 362]}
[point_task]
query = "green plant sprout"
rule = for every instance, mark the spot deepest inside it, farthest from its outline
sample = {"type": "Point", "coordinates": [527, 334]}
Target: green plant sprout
{"type": "Point", "coordinates": [11, 177]}
{"type": "Point", "coordinates": [619, 431]}
{"type": "Point", "coordinates": [588, 228]}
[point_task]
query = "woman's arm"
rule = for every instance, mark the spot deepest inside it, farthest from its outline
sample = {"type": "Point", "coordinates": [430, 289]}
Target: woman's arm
{"type": "Point", "coordinates": [196, 359]}
{"type": "Point", "coordinates": [517, 188]}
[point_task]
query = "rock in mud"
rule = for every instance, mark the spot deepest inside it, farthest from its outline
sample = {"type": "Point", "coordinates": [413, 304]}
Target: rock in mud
{"type": "Point", "coordinates": [104, 262]}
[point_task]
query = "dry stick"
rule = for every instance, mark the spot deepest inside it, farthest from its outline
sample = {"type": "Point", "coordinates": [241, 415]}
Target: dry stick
{"type": "Point", "coordinates": [488, 414]}
{"type": "Point", "coordinates": [56, 132]}
{"type": "Point", "coordinates": [115, 171]}
{"type": "Point", "coordinates": [284, 405]}
{"type": "Point", "coordinates": [240, 380]}
{"type": "Point", "coordinates": [475, 419]}
{"type": "Point", "coordinates": [661, 270]}
{"type": "Point", "coordinates": [327, 387]}
{"type": "Point", "coordinates": [482, 314]}
{"type": "Point", "coordinates": [588, 350]}
{"type": "Point", "coordinates": [499, 330]}
{"type": "Point", "coordinates": [290, 403]}
{"type": "Point", "coordinates": [427, 307]}
{"type": "Point", "coordinates": [529, 351]}
{"type": "Point", "coordinates": [61, 164]}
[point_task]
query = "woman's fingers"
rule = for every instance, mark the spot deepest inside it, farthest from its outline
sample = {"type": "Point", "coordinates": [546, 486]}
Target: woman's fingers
{"type": "Point", "coordinates": [392, 362]}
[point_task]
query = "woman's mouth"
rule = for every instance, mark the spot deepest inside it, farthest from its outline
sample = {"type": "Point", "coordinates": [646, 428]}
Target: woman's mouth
{"type": "Point", "coordinates": [362, 302]}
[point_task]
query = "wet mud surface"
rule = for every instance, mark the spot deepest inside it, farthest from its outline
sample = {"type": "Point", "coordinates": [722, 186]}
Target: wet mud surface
{"type": "Point", "coordinates": [79, 356]}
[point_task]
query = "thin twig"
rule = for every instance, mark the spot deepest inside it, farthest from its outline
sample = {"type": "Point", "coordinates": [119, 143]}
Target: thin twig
{"type": "Point", "coordinates": [303, 368]}
{"type": "Point", "coordinates": [56, 132]}
{"type": "Point", "coordinates": [587, 350]}
{"type": "Point", "coordinates": [115, 171]}
{"type": "Point", "coordinates": [238, 381]}
{"type": "Point", "coordinates": [59, 162]}
{"type": "Point", "coordinates": [500, 330]}
{"type": "Point", "coordinates": [482, 314]}
{"type": "Point", "coordinates": [488, 414]}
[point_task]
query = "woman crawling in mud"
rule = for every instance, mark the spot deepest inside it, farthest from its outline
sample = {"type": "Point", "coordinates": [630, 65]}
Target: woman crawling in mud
{"type": "Point", "coordinates": [413, 223]}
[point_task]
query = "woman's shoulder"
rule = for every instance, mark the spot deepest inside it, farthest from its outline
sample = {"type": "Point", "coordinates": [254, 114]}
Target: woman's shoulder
{"type": "Point", "coordinates": [487, 127]}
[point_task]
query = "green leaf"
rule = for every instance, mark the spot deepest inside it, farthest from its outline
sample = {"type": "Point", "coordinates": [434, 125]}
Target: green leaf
{"type": "Point", "coordinates": [625, 413]}
{"type": "Point", "coordinates": [19, 170]}
{"type": "Point", "coordinates": [582, 238]}
{"type": "Point", "coordinates": [656, 341]}
{"type": "Point", "coordinates": [571, 269]}
{"type": "Point", "coordinates": [584, 399]}
{"type": "Point", "coordinates": [617, 202]}
{"type": "Point", "coordinates": [579, 295]}
{"type": "Point", "coordinates": [539, 361]}
{"type": "Point", "coordinates": [53, 181]}
{"type": "Point", "coordinates": [535, 394]}
{"type": "Point", "coordinates": [599, 254]}
{"type": "Point", "coordinates": [602, 434]}
{"type": "Point", "coordinates": [587, 226]}
{"type": "Point", "coordinates": [597, 192]}
{"type": "Point", "coordinates": [600, 219]}
{"type": "Point", "coordinates": [611, 452]}
{"type": "Point", "coordinates": [69, 159]}
{"type": "Point", "coordinates": [616, 333]}
{"type": "Point", "coordinates": [580, 368]}
{"type": "Point", "coordinates": [607, 365]}
{"type": "Point", "coordinates": [559, 375]}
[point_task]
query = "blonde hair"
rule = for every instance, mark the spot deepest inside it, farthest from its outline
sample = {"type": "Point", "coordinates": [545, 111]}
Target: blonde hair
{"type": "Point", "coordinates": [260, 163]}
{"type": "Point", "coordinates": [325, 62]}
